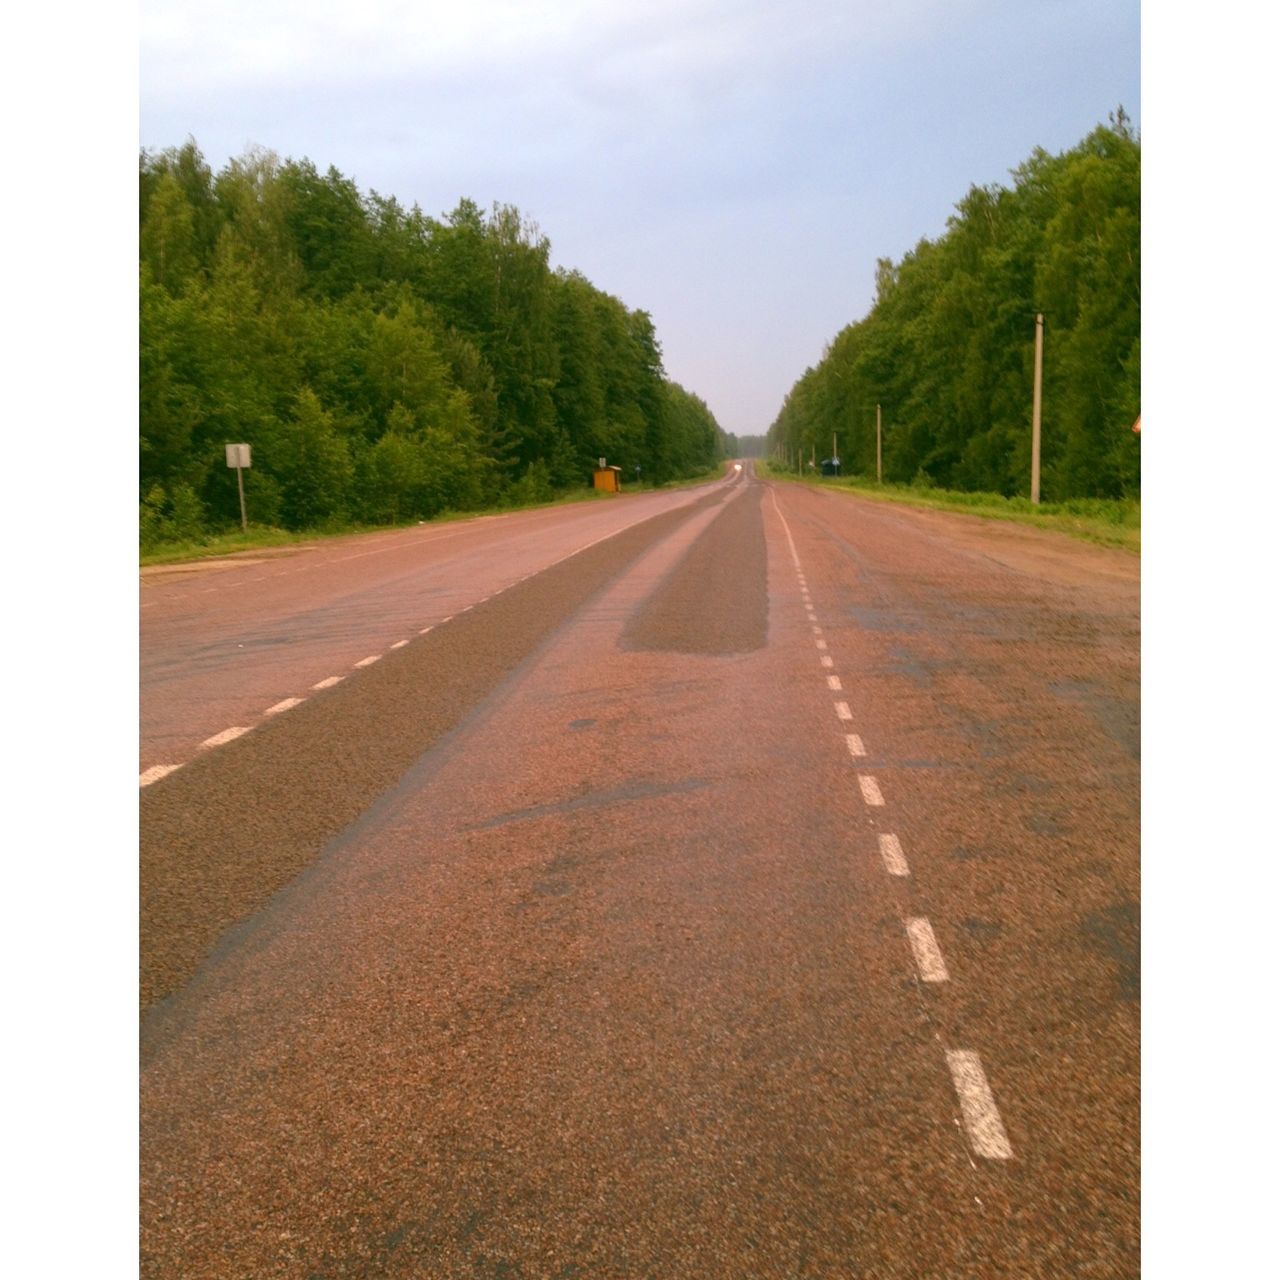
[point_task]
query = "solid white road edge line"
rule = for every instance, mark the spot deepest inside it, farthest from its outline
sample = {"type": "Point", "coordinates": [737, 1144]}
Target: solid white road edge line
{"type": "Point", "coordinates": [977, 1106]}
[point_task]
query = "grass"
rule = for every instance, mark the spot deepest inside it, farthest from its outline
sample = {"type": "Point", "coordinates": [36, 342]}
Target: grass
{"type": "Point", "coordinates": [1106, 521]}
{"type": "Point", "coordinates": [260, 538]}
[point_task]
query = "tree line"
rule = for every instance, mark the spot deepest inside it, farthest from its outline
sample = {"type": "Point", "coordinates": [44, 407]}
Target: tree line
{"type": "Point", "coordinates": [383, 365]}
{"type": "Point", "coordinates": [947, 347]}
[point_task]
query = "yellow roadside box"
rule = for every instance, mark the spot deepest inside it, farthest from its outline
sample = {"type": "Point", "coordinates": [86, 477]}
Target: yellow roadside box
{"type": "Point", "coordinates": [608, 478]}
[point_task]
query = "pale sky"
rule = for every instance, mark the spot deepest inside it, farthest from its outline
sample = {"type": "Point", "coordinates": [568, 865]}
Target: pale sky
{"type": "Point", "coordinates": [734, 167]}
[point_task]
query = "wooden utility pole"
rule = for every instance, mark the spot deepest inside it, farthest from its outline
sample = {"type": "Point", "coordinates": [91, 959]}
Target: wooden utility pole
{"type": "Point", "coordinates": [879, 466]}
{"type": "Point", "coordinates": [1035, 409]}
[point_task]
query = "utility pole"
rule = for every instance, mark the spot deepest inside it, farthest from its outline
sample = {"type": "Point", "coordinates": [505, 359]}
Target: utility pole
{"type": "Point", "coordinates": [879, 465]}
{"type": "Point", "coordinates": [1035, 410]}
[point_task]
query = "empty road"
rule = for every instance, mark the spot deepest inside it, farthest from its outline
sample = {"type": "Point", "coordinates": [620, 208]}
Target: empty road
{"type": "Point", "coordinates": [740, 881]}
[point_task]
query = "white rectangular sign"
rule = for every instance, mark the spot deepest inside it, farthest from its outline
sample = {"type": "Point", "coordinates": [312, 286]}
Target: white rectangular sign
{"type": "Point", "coordinates": [238, 455]}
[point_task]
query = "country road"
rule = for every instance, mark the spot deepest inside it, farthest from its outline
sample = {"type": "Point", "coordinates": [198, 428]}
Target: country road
{"type": "Point", "coordinates": [740, 881]}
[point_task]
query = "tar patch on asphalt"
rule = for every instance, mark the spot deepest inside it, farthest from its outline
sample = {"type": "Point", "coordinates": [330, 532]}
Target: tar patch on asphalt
{"type": "Point", "coordinates": [716, 599]}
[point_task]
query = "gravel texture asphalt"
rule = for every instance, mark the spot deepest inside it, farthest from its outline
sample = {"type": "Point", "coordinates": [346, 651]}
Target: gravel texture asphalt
{"type": "Point", "coordinates": [562, 942]}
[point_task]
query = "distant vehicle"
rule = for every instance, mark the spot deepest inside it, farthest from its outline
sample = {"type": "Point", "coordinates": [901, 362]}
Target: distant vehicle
{"type": "Point", "coordinates": [737, 466]}
{"type": "Point", "coordinates": [831, 466]}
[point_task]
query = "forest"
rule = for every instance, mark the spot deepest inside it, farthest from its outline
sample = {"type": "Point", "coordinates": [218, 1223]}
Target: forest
{"type": "Point", "coordinates": [383, 365]}
{"type": "Point", "coordinates": [947, 348]}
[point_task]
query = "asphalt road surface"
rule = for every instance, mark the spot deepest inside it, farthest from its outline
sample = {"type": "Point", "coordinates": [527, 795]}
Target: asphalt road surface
{"type": "Point", "coordinates": [738, 882]}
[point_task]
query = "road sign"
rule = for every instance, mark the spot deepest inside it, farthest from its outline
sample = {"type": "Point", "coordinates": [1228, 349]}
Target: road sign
{"type": "Point", "coordinates": [238, 455]}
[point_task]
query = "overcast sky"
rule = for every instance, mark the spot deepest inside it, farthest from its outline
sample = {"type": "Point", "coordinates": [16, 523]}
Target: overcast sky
{"type": "Point", "coordinates": [734, 167]}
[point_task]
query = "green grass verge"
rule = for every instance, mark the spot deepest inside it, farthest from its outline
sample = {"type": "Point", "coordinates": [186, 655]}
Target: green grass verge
{"type": "Point", "coordinates": [1108, 522]}
{"type": "Point", "coordinates": [261, 538]}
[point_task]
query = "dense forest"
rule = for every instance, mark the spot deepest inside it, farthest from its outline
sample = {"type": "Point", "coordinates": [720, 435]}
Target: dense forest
{"type": "Point", "coordinates": [383, 365]}
{"type": "Point", "coordinates": [947, 348]}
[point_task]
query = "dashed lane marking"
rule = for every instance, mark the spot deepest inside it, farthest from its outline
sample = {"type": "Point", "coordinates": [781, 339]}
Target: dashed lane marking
{"type": "Point", "coordinates": [822, 644]}
{"type": "Point", "coordinates": [895, 861]}
{"type": "Point", "coordinates": [282, 706]}
{"type": "Point", "coordinates": [870, 789]}
{"type": "Point", "coordinates": [833, 683]}
{"type": "Point", "coordinates": [328, 682]}
{"type": "Point", "coordinates": [977, 1106]}
{"type": "Point", "coordinates": [827, 660]}
{"type": "Point", "coordinates": [399, 644]}
{"type": "Point", "coordinates": [369, 661]}
{"type": "Point", "coordinates": [155, 773]}
{"type": "Point", "coordinates": [856, 748]}
{"type": "Point", "coordinates": [924, 946]}
{"type": "Point", "coordinates": [225, 736]}
{"type": "Point", "coordinates": [842, 710]}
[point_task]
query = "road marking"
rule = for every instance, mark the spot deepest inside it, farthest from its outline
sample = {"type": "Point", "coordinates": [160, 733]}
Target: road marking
{"type": "Point", "coordinates": [399, 644]}
{"type": "Point", "coordinates": [833, 683]}
{"type": "Point", "coordinates": [856, 748]}
{"type": "Point", "coordinates": [424, 631]}
{"type": "Point", "coordinates": [977, 1106]}
{"type": "Point", "coordinates": [895, 861]}
{"type": "Point", "coordinates": [817, 631]}
{"type": "Point", "coordinates": [225, 736]}
{"type": "Point", "coordinates": [282, 706]}
{"type": "Point", "coordinates": [827, 660]}
{"type": "Point", "coordinates": [444, 620]}
{"type": "Point", "coordinates": [822, 644]}
{"type": "Point", "coordinates": [369, 661]}
{"type": "Point", "coordinates": [870, 789]}
{"type": "Point", "coordinates": [813, 617]}
{"type": "Point", "coordinates": [155, 773]}
{"type": "Point", "coordinates": [328, 682]}
{"type": "Point", "coordinates": [924, 946]}
{"type": "Point", "coordinates": [842, 710]}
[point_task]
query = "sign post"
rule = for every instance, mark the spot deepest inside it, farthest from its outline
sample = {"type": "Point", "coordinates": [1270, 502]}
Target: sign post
{"type": "Point", "coordinates": [238, 457]}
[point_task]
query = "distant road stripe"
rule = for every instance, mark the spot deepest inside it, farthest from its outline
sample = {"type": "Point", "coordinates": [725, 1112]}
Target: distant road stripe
{"type": "Point", "coordinates": [369, 661]}
{"type": "Point", "coordinates": [854, 742]}
{"type": "Point", "coordinates": [833, 683]}
{"type": "Point", "coordinates": [842, 710]}
{"type": "Point", "coordinates": [282, 706]}
{"type": "Point", "coordinates": [424, 631]}
{"type": "Point", "coordinates": [895, 861]}
{"type": "Point", "coordinates": [827, 660]}
{"type": "Point", "coordinates": [328, 682]}
{"type": "Point", "coordinates": [225, 736]}
{"type": "Point", "coordinates": [822, 644]}
{"type": "Point", "coordinates": [977, 1106]}
{"type": "Point", "coordinates": [870, 789]}
{"type": "Point", "coordinates": [155, 773]}
{"type": "Point", "coordinates": [399, 644]}
{"type": "Point", "coordinates": [924, 946]}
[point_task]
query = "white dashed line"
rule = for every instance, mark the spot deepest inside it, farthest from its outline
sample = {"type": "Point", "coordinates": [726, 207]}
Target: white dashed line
{"type": "Point", "coordinates": [924, 946]}
{"type": "Point", "coordinates": [833, 683]}
{"type": "Point", "coordinates": [369, 661]}
{"type": "Point", "coordinates": [822, 644]}
{"type": "Point", "coordinates": [870, 789]}
{"type": "Point", "coordinates": [399, 644]}
{"type": "Point", "coordinates": [854, 742]}
{"type": "Point", "coordinates": [981, 1118]}
{"type": "Point", "coordinates": [328, 682]}
{"type": "Point", "coordinates": [282, 706]}
{"type": "Point", "coordinates": [155, 773]}
{"type": "Point", "coordinates": [827, 660]}
{"type": "Point", "coordinates": [444, 620]}
{"type": "Point", "coordinates": [895, 861]}
{"type": "Point", "coordinates": [842, 710]}
{"type": "Point", "coordinates": [225, 736]}
{"type": "Point", "coordinates": [424, 631]}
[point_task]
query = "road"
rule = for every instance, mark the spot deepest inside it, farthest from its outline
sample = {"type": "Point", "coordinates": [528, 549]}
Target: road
{"type": "Point", "coordinates": [752, 893]}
